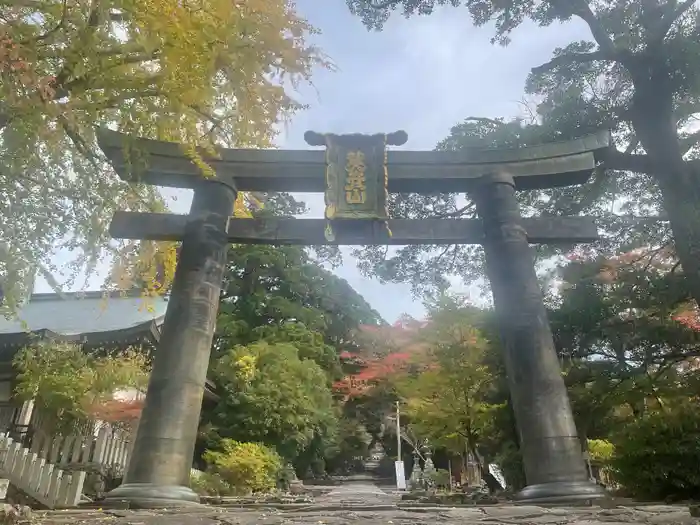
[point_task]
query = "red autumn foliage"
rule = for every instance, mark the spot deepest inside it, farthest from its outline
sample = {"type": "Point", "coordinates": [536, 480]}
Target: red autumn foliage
{"type": "Point", "coordinates": [689, 318]}
{"type": "Point", "coordinates": [15, 63]}
{"type": "Point", "coordinates": [386, 350]}
{"type": "Point", "coordinates": [660, 260]}
{"type": "Point", "coordinates": [117, 410]}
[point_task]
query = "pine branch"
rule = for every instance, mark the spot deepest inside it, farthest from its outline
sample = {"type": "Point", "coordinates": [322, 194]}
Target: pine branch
{"type": "Point", "coordinates": [485, 120]}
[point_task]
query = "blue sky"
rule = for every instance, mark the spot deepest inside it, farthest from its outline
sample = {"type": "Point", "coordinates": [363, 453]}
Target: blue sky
{"type": "Point", "coordinates": [422, 75]}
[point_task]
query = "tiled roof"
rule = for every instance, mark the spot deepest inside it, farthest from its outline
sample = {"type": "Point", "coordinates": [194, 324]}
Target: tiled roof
{"type": "Point", "coordinates": [83, 313]}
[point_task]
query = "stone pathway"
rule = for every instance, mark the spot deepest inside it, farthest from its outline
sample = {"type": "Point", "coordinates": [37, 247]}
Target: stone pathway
{"type": "Point", "coordinates": [359, 502]}
{"type": "Point", "coordinates": [490, 515]}
{"type": "Point", "coordinates": [360, 493]}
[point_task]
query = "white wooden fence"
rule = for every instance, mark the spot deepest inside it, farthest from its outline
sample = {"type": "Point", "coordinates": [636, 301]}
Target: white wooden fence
{"type": "Point", "coordinates": [109, 448]}
{"type": "Point", "coordinates": [39, 479]}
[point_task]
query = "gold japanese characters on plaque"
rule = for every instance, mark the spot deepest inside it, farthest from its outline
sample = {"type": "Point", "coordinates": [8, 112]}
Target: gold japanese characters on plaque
{"type": "Point", "coordinates": [355, 181]}
{"type": "Point", "coordinates": [356, 178]}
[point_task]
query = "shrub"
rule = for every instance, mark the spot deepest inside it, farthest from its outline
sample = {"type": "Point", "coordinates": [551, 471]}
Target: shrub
{"type": "Point", "coordinates": [601, 453]}
{"type": "Point", "coordinates": [600, 450]}
{"type": "Point", "coordinates": [657, 456]}
{"type": "Point", "coordinates": [285, 476]}
{"type": "Point", "coordinates": [245, 467]}
{"type": "Point", "coordinates": [440, 478]}
{"type": "Point", "coordinates": [210, 484]}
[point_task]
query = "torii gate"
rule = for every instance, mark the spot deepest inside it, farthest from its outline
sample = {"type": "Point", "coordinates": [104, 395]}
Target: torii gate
{"type": "Point", "coordinates": [356, 173]}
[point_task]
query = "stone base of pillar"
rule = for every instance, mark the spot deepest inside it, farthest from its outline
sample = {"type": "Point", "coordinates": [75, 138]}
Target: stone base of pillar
{"type": "Point", "coordinates": [561, 492]}
{"type": "Point", "coordinates": [150, 496]}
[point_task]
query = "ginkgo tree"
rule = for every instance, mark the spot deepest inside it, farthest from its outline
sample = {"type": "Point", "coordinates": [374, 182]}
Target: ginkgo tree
{"type": "Point", "coordinates": [201, 72]}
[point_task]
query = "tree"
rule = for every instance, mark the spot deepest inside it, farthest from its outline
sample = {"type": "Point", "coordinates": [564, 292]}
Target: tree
{"type": "Point", "coordinates": [626, 337]}
{"type": "Point", "coordinates": [626, 330]}
{"type": "Point", "coordinates": [637, 77]}
{"type": "Point", "coordinates": [280, 294]}
{"type": "Point", "coordinates": [653, 454]}
{"type": "Point", "coordinates": [282, 297]}
{"type": "Point", "coordinates": [71, 387]}
{"type": "Point", "coordinates": [351, 449]}
{"type": "Point", "coordinates": [381, 352]}
{"type": "Point", "coordinates": [201, 73]}
{"type": "Point", "coordinates": [365, 390]}
{"type": "Point", "coordinates": [446, 396]}
{"type": "Point", "coordinates": [269, 394]}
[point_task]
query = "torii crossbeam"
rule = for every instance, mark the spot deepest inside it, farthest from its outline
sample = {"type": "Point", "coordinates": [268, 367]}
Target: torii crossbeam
{"type": "Point", "coordinates": [356, 174]}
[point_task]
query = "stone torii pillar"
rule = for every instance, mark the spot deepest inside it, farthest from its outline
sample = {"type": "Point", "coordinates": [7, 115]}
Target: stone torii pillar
{"type": "Point", "coordinates": [159, 469]}
{"type": "Point", "coordinates": [549, 443]}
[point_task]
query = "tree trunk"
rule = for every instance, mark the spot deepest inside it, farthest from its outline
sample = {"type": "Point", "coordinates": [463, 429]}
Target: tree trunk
{"type": "Point", "coordinates": [655, 125]}
{"type": "Point", "coordinates": [680, 190]}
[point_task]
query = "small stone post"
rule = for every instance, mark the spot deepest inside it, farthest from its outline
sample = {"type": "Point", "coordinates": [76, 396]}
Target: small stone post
{"type": "Point", "coordinates": [159, 468]}
{"type": "Point", "coordinates": [554, 466]}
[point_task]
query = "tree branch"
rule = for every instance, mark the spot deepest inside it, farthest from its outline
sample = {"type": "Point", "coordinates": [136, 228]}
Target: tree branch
{"type": "Point", "coordinates": [5, 118]}
{"type": "Point", "coordinates": [84, 37]}
{"type": "Point", "coordinates": [668, 20]}
{"type": "Point", "coordinates": [617, 160]}
{"type": "Point", "coordinates": [384, 5]}
{"type": "Point", "coordinates": [688, 142]}
{"type": "Point", "coordinates": [485, 120]}
{"type": "Point", "coordinates": [51, 31]}
{"type": "Point", "coordinates": [582, 9]}
{"type": "Point", "coordinates": [457, 213]}
{"type": "Point", "coordinates": [568, 59]}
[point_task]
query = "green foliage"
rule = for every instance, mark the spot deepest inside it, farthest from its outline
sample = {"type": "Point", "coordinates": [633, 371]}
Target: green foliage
{"type": "Point", "coordinates": [283, 320]}
{"type": "Point", "coordinates": [279, 294]}
{"type": "Point", "coordinates": [350, 449]}
{"type": "Point", "coordinates": [440, 478]}
{"type": "Point", "coordinates": [210, 484]}
{"type": "Point", "coordinates": [510, 460]}
{"type": "Point", "coordinates": [67, 383]}
{"type": "Point", "coordinates": [245, 467]}
{"type": "Point", "coordinates": [622, 332]}
{"type": "Point", "coordinates": [600, 450]}
{"type": "Point", "coordinates": [656, 456]}
{"type": "Point", "coordinates": [269, 394]}
{"type": "Point", "coordinates": [370, 410]}
{"type": "Point", "coordinates": [286, 476]}
{"type": "Point", "coordinates": [446, 399]}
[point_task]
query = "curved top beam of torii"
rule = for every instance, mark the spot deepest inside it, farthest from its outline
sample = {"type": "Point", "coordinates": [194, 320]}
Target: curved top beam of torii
{"type": "Point", "coordinates": [543, 166]}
